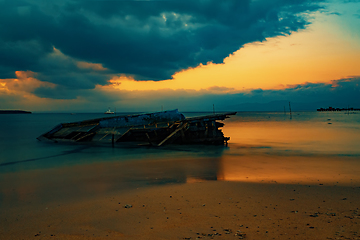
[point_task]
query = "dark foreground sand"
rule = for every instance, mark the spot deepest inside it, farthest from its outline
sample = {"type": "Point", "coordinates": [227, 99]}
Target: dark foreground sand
{"type": "Point", "coordinates": [199, 210]}
{"type": "Point", "coordinates": [268, 197]}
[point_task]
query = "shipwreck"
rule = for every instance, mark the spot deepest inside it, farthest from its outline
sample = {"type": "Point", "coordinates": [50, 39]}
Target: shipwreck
{"type": "Point", "coordinates": [155, 129]}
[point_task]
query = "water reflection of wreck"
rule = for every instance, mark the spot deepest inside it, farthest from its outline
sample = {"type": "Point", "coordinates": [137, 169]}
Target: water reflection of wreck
{"type": "Point", "coordinates": [155, 129]}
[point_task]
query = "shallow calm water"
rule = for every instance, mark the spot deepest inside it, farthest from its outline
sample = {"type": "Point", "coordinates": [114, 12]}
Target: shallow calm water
{"type": "Point", "coordinates": [20, 150]}
{"type": "Point", "coordinates": [251, 133]}
{"type": "Point", "coordinates": [310, 147]}
{"type": "Point", "coordinates": [306, 133]}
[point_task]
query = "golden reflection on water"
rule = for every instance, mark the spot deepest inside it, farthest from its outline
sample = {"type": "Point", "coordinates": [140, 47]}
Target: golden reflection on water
{"type": "Point", "coordinates": [317, 137]}
{"type": "Point", "coordinates": [291, 152]}
{"type": "Point", "coordinates": [291, 169]}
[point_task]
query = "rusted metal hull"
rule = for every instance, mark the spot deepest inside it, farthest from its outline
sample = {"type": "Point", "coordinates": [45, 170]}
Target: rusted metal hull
{"type": "Point", "coordinates": [156, 129]}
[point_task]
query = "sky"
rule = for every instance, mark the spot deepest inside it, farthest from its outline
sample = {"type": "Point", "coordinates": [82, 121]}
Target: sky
{"type": "Point", "coordinates": [238, 55]}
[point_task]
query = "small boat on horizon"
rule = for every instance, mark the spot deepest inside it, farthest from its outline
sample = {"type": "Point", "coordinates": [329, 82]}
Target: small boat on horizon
{"type": "Point", "coordinates": [109, 112]}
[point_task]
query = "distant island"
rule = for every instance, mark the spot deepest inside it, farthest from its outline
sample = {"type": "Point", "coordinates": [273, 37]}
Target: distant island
{"type": "Point", "coordinates": [337, 109]}
{"type": "Point", "coordinates": [13, 112]}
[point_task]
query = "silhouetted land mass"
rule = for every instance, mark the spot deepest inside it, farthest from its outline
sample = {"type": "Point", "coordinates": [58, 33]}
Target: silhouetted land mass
{"type": "Point", "coordinates": [13, 112]}
{"type": "Point", "coordinates": [337, 109]}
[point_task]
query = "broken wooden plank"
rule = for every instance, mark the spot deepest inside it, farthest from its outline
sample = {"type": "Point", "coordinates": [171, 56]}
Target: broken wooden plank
{"type": "Point", "coordinates": [148, 137]}
{"type": "Point", "coordinates": [179, 128]}
{"type": "Point", "coordinates": [85, 136]}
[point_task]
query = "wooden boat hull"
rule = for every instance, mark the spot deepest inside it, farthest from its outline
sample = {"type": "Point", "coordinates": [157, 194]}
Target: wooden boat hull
{"type": "Point", "coordinates": [156, 129]}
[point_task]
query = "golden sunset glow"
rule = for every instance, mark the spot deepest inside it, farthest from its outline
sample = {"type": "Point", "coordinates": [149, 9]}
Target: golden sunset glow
{"type": "Point", "coordinates": [313, 55]}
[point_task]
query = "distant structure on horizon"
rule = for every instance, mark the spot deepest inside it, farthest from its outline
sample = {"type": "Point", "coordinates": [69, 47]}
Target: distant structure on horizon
{"type": "Point", "coordinates": [331, 109]}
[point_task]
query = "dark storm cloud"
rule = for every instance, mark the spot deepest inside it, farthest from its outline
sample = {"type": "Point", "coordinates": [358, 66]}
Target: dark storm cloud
{"type": "Point", "coordinates": [148, 40]}
{"type": "Point", "coordinates": [58, 92]}
{"type": "Point", "coordinates": [23, 38]}
{"type": "Point", "coordinates": [357, 14]}
{"type": "Point", "coordinates": [74, 92]}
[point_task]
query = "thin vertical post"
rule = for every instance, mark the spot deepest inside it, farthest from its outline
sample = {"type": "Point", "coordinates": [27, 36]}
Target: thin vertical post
{"type": "Point", "coordinates": [290, 111]}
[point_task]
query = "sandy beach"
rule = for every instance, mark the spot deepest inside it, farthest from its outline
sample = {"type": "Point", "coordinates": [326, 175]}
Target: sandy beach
{"type": "Point", "coordinates": [85, 206]}
{"type": "Point", "coordinates": [206, 210]}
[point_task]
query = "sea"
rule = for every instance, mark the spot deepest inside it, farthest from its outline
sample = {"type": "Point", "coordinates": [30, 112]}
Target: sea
{"type": "Point", "coordinates": [269, 147]}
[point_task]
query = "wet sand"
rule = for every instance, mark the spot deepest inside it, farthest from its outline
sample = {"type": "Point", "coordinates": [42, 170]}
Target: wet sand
{"type": "Point", "coordinates": [201, 210]}
{"type": "Point", "coordinates": [173, 200]}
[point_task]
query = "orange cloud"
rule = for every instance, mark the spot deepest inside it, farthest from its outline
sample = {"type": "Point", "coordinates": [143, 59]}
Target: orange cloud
{"type": "Point", "coordinates": [93, 66]}
{"type": "Point", "coordinates": [24, 83]}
